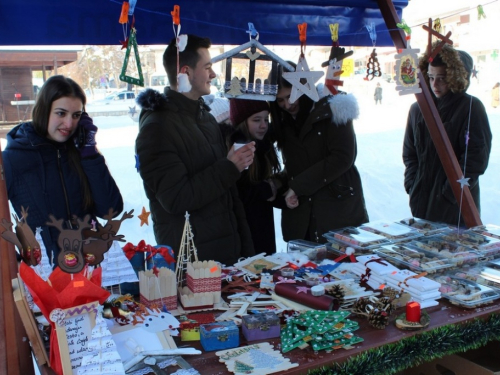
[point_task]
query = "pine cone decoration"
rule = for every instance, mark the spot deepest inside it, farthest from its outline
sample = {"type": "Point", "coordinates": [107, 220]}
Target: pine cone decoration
{"type": "Point", "coordinates": [390, 292]}
{"type": "Point", "coordinates": [385, 304]}
{"type": "Point", "coordinates": [378, 318]}
{"type": "Point", "coordinates": [336, 292]}
{"type": "Point", "coordinates": [360, 306]}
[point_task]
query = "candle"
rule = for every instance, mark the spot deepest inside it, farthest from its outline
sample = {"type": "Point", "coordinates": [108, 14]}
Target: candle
{"type": "Point", "coordinates": [413, 312]}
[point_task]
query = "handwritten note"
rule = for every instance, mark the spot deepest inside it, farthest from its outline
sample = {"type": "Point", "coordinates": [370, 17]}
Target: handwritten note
{"type": "Point", "coordinates": [73, 334]}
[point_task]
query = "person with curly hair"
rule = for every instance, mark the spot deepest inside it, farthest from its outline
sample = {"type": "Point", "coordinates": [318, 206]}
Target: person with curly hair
{"type": "Point", "coordinates": [466, 123]}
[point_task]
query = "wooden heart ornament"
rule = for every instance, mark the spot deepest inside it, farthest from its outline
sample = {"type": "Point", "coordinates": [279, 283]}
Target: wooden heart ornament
{"type": "Point", "coordinates": [253, 55]}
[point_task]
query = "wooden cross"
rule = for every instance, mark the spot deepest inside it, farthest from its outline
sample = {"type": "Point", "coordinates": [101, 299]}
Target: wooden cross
{"type": "Point", "coordinates": [444, 40]}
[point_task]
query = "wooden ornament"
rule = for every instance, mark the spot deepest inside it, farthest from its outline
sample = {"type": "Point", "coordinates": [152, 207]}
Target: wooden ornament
{"type": "Point", "coordinates": [298, 88]}
{"type": "Point", "coordinates": [132, 43]}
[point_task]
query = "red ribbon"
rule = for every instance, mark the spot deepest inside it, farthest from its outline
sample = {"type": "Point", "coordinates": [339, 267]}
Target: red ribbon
{"type": "Point", "coordinates": [130, 250]}
{"type": "Point", "coordinates": [351, 257]}
{"type": "Point", "coordinates": [163, 251]}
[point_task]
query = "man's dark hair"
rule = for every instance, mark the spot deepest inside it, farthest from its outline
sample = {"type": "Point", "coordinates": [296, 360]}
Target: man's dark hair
{"type": "Point", "coordinates": [189, 56]}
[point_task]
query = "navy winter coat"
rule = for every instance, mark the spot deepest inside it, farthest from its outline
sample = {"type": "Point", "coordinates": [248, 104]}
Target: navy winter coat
{"type": "Point", "coordinates": [40, 178]}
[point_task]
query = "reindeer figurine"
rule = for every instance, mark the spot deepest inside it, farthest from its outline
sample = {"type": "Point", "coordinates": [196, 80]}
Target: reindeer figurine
{"type": "Point", "coordinates": [71, 241]}
{"type": "Point", "coordinates": [24, 238]}
{"type": "Point", "coordinates": [102, 238]}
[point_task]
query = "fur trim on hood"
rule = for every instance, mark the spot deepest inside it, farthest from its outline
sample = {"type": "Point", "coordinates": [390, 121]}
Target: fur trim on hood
{"type": "Point", "coordinates": [344, 108]}
{"type": "Point", "coordinates": [151, 100]}
{"type": "Point", "coordinates": [457, 76]}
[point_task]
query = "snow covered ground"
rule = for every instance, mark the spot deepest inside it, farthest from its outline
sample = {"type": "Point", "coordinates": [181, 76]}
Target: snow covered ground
{"type": "Point", "coordinates": [379, 129]}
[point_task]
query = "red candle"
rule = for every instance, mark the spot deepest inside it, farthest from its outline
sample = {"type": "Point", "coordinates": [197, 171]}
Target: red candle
{"type": "Point", "coordinates": [413, 312]}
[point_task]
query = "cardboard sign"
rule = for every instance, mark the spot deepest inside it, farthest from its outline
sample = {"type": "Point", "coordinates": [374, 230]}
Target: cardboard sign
{"type": "Point", "coordinates": [74, 329]}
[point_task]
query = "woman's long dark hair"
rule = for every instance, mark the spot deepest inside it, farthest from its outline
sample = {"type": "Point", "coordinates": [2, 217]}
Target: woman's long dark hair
{"type": "Point", "coordinates": [279, 117]}
{"type": "Point", "coordinates": [57, 87]}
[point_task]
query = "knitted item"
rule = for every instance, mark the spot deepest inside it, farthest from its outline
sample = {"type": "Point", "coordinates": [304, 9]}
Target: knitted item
{"type": "Point", "coordinates": [241, 109]}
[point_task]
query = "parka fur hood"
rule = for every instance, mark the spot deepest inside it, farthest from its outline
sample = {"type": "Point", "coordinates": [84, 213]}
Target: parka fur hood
{"type": "Point", "coordinates": [457, 73]}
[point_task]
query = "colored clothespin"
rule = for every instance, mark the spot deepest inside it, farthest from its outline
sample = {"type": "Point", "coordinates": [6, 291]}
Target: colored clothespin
{"type": "Point", "coordinates": [252, 31]}
{"type": "Point", "coordinates": [302, 32]}
{"type": "Point", "coordinates": [372, 32]}
{"type": "Point", "coordinates": [437, 25]}
{"type": "Point", "coordinates": [405, 28]}
{"type": "Point", "coordinates": [302, 36]}
{"type": "Point", "coordinates": [176, 15]}
{"type": "Point", "coordinates": [131, 7]}
{"type": "Point", "coordinates": [334, 30]}
{"type": "Point", "coordinates": [124, 13]}
{"type": "Point", "coordinates": [480, 12]}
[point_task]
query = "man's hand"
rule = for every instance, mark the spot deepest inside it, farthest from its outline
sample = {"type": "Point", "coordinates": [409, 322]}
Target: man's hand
{"type": "Point", "coordinates": [243, 157]}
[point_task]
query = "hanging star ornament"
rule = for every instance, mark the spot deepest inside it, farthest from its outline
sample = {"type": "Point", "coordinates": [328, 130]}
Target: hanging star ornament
{"type": "Point", "coordinates": [144, 216]}
{"type": "Point", "coordinates": [464, 181]}
{"type": "Point", "coordinates": [296, 78]}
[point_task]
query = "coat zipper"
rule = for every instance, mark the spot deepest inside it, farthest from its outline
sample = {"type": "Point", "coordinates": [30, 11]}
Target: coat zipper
{"type": "Point", "coordinates": [68, 212]}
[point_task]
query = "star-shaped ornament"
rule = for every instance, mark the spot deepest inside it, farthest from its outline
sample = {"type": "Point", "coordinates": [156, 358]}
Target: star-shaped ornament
{"type": "Point", "coordinates": [144, 217]}
{"type": "Point", "coordinates": [132, 111]}
{"type": "Point", "coordinates": [302, 289]}
{"type": "Point", "coordinates": [464, 182]}
{"type": "Point", "coordinates": [298, 88]}
{"type": "Point", "coordinates": [124, 43]}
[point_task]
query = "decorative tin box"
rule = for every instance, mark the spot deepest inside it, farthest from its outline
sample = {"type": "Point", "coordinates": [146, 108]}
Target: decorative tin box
{"type": "Point", "coordinates": [219, 335]}
{"type": "Point", "coordinates": [261, 326]}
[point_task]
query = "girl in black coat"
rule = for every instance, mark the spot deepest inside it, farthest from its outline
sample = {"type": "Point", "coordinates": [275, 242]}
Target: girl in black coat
{"type": "Point", "coordinates": [257, 190]}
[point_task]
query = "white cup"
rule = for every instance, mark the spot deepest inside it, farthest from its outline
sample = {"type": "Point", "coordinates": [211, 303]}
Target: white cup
{"type": "Point", "coordinates": [238, 146]}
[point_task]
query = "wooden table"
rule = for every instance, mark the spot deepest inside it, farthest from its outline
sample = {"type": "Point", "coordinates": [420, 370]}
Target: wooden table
{"type": "Point", "coordinates": [443, 314]}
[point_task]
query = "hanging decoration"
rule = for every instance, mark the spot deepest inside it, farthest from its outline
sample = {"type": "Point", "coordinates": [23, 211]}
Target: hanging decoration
{"type": "Point", "coordinates": [130, 42]}
{"type": "Point", "coordinates": [474, 72]}
{"type": "Point", "coordinates": [480, 12]}
{"type": "Point", "coordinates": [252, 86]}
{"type": "Point", "coordinates": [407, 70]}
{"type": "Point", "coordinates": [183, 84]}
{"type": "Point", "coordinates": [334, 63]}
{"type": "Point", "coordinates": [373, 67]}
{"type": "Point", "coordinates": [302, 72]}
{"type": "Point", "coordinates": [144, 216]}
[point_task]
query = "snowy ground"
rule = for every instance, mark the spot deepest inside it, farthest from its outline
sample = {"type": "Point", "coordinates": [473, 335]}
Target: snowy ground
{"type": "Point", "coordinates": [380, 131]}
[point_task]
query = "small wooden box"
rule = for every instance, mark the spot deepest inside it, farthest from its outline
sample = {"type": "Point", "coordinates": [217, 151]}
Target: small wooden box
{"type": "Point", "coordinates": [261, 326]}
{"type": "Point", "coordinates": [219, 335]}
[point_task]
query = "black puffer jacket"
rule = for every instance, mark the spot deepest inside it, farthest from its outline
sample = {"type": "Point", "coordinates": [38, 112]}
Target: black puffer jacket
{"type": "Point", "coordinates": [319, 156]}
{"type": "Point", "coordinates": [184, 166]}
{"type": "Point", "coordinates": [466, 124]}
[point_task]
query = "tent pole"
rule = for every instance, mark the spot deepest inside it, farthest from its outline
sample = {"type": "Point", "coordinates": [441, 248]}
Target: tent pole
{"type": "Point", "coordinates": [434, 124]}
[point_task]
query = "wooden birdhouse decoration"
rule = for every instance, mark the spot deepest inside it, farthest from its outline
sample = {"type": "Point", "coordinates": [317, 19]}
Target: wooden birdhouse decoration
{"type": "Point", "coordinates": [258, 80]}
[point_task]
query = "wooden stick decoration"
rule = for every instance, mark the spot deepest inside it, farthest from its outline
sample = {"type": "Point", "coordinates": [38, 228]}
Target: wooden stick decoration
{"type": "Point", "coordinates": [444, 40]}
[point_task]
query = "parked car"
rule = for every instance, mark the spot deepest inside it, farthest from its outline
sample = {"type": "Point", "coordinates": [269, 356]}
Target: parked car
{"type": "Point", "coordinates": [116, 98]}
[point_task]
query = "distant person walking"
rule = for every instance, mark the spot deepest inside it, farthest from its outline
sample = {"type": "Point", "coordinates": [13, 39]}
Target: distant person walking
{"type": "Point", "coordinates": [378, 94]}
{"type": "Point", "coordinates": [494, 95]}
